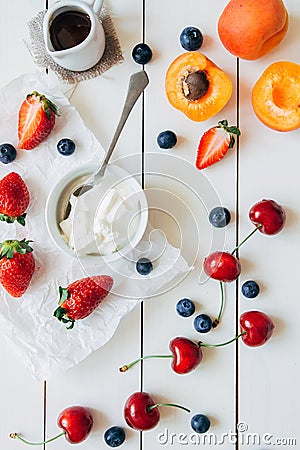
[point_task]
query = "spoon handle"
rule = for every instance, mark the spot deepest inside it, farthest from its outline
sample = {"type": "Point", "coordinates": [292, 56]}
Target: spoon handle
{"type": "Point", "coordinates": [137, 83]}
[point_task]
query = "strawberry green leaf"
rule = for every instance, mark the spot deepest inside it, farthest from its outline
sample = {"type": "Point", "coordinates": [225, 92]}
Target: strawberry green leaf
{"type": "Point", "coordinates": [12, 219]}
{"type": "Point", "coordinates": [53, 107]}
{"type": "Point", "coordinates": [7, 219]}
{"type": "Point", "coordinates": [48, 105]}
{"type": "Point", "coordinates": [71, 324]}
{"type": "Point", "coordinates": [63, 294]}
{"type": "Point", "coordinates": [223, 123]}
{"type": "Point", "coordinates": [6, 250]}
{"type": "Point", "coordinates": [60, 314]}
{"type": "Point", "coordinates": [24, 245]}
{"type": "Point", "coordinates": [232, 141]}
{"type": "Point", "coordinates": [21, 219]}
{"type": "Point", "coordinates": [234, 130]}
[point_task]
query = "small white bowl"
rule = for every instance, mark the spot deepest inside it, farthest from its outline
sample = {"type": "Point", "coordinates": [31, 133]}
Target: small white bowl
{"type": "Point", "coordinates": [62, 190]}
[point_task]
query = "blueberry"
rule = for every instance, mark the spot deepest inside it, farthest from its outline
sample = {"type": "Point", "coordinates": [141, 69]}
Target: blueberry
{"type": "Point", "coordinates": [144, 266]}
{"type": "Point", "coordinates": [185, 307]}
{"type": "Point", "coordinates": [200, 423]}
{"type": "Point", "coordinates": [114, 436]}
{"type": "Point", "coordinates": [219, 217]}
{"type": "Point", "coordinates": [202, 323]}
{"type": "Point", "coordinates": [8, 153]}
{"type": "Point", "coordinates": [166, 139]}
{"type": "Point", "coordinates": [66, 147]}
{"type": "Point", "coordinates": [142, 53]}
{"type": "Point", "coordinates": [191, 39]}
{"type": "Point", "coordinates": [250, 289]}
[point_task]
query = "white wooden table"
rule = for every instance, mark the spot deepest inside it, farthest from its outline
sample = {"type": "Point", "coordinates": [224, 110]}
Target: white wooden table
{"type": "Point", "coordinates": [234, 385]}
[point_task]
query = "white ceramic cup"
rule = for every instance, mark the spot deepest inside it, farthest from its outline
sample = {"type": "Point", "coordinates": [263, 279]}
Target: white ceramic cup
{"type": "Point", "coordinates": [88, 52]}
{"type": "Point", "coordinates": [65, 186]}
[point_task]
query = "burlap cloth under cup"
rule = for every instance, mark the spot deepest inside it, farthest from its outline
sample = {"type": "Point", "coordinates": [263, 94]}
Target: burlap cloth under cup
{"type": "Point", "coordinates": [112, 54]}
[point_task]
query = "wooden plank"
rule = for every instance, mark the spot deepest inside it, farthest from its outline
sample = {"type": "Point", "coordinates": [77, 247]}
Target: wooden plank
{"type": "Point", "coordinates": [97, 382]}
{"type": "Point", "coordinates": [21, 395]}
{"type": "Point", "coordinates": [268, 169]}
{"type": "Point", "coordinates": [210, 389]}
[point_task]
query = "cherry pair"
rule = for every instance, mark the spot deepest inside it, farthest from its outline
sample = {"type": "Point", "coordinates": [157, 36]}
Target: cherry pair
{"type": "Point", "coordinates": [268, 217]}
{"type": "Point", "coordinates": [256, 329]}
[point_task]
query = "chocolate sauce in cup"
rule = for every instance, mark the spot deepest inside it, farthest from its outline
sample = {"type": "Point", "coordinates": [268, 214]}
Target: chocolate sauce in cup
{"type": "Point", "coordinates": [73, 34]}
{"type": "Point", "coordinates": [69, 29]}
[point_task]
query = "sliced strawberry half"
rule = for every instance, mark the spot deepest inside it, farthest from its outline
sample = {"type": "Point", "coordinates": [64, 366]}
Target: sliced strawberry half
{"type": "Point", "coordinates": [215, 143]}
{"type": "Point", "coordinates": [36, 120]}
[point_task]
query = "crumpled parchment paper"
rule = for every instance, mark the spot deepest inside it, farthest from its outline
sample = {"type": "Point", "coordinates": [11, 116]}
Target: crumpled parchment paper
{"type": "Point", "coordinates": [28, 322]}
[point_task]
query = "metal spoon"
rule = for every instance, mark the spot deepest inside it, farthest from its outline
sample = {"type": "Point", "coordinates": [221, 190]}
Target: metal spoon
{"type": "Point", "coordinates": [137, 83]}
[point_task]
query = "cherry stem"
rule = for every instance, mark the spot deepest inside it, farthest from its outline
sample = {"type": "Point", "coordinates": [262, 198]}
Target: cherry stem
{"type": "Point", "coordinates": [149, 408]}
{"type": "Point", "coordinates": [217, 320]}
{"type": "Point", "coordinates": [246, 238]}
{"type": "Point", "coordinates": [201, 344]}
{"type": "Point", "coordinates": [17, 436]}
{"type": "Point", "coordinates": [127, 366]}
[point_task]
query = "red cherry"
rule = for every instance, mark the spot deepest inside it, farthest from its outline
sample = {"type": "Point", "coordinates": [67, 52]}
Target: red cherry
{"type": "Point", "coordinates": [258, 326]}
{"type": "Point", "coordinates": [222, 266]}
{"type": "Point", "coordinates": [269, 215]}
{"type": "Point", "coordinates": [141, 413]}
{"type": "Point", "coordinates": [77, 422]}
{"type": "Point", "coordinates": [187, 355]}
{"type": "Point", "coordinates": [137, 412]}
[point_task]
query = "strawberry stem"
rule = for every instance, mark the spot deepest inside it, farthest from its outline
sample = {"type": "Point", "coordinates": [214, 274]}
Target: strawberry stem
{"type": "Point", "coordinates": [149, 408]}
{"type": "Point", "coordinates": [217, 320]}
{"type": "Point", "coordinates": [128, 366]}
{"type": "Point", "coordinates": [9, 247]}
{"type": "Point", "coordinates": [201, 344]}
{"type": "Point", "coordinates": [246, 238]}
{"type": "Point", "coordinates": [17, 436]}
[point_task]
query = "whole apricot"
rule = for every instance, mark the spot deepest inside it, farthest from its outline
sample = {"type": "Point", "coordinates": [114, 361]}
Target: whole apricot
{"type": "Point", "coordinates": [276, 96]}
{"type": "Point", "coordinates": [249, 29]}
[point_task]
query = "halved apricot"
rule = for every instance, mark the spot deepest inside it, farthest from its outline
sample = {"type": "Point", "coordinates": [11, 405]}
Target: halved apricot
{"type": "Point", "coordinates": [196, 86]}
{"type": "Point", "coordinates": [276, 96]}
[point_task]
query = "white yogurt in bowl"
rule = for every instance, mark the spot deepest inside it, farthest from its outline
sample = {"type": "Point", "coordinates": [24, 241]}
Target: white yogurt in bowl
{"type": "Point", "coordinates": [106, 221]}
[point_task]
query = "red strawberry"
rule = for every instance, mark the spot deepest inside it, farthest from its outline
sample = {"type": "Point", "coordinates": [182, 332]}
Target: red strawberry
{"type": "Point", "coordinates": [81, 298]}
{"type": "Point", "coordinates": [215, 143]}
{"type": "Point", "coordinates": [36, 120]}
{"type": "Point", "coordinates": [14, 198]}
{"type": "Point", "coordinates": [16, 266]}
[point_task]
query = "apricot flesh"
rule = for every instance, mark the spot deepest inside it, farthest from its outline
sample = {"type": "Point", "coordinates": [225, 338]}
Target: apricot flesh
{"type": "Point", "coordinates": [249, 29]}
{"type": "Point", "coordinates": [276, 96]}
{"type": "Point", "coordinates": [200, 102]}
